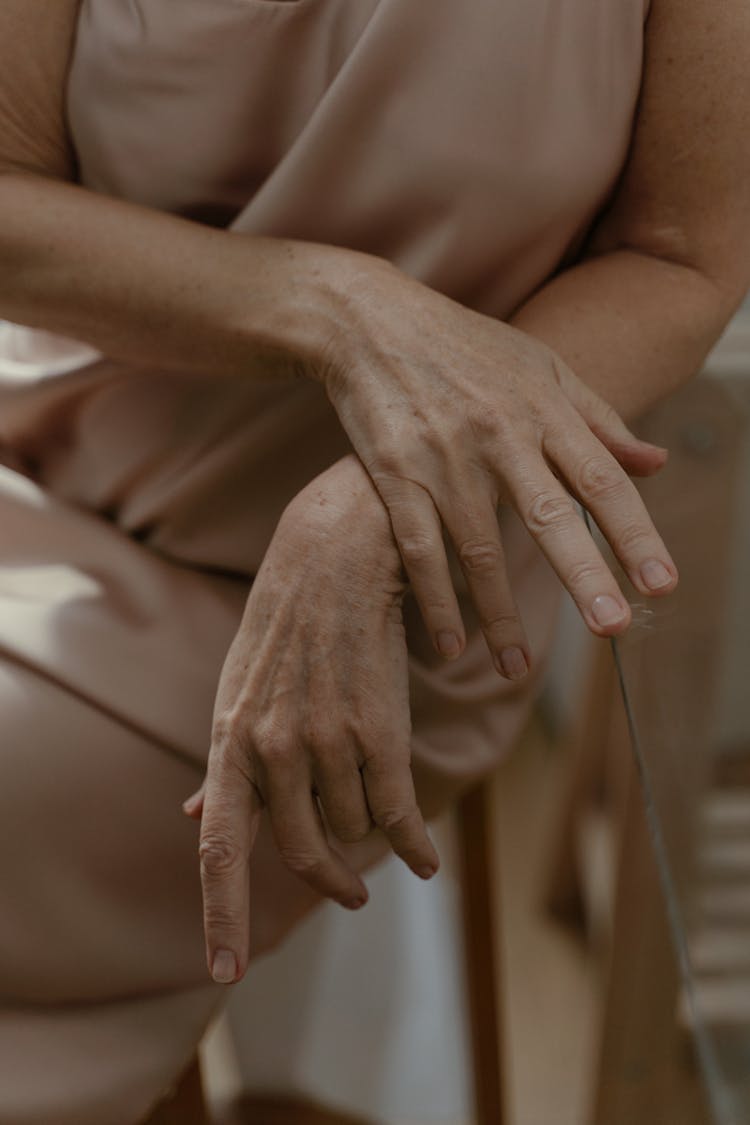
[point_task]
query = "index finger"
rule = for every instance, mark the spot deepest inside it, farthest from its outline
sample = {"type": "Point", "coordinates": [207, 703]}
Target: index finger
{"type": "Point", "coordinates": [231, 817]}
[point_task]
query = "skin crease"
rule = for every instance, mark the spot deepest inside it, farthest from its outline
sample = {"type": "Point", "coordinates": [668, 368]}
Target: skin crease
{"type": "Point", "coordinates": [451, 412]}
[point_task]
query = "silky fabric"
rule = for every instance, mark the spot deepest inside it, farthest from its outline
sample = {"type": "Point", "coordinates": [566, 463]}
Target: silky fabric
{"type": "Point", "coordinates": [472, 144]}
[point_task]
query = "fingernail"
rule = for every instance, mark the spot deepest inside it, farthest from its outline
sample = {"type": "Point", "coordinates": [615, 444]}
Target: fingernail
{"type": "Point", "coordinates": [655, 575]}
{"type": "Point", "coordinates": [427, 871]}
{"type": "Point", "coordinates": [448, 645]}
{"type": "Point", "coordinates": [189, 804]}
{"type": "Point", "coordinates": [224, 967]}
{"type": "Point", "coordinates": [513, 663]}
{"type": "Point", "coordinates": [606, 611]}
{"type": "Point", "coordinates": [357, 903]}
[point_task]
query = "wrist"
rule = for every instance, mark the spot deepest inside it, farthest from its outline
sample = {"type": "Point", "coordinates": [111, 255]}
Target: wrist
{"type": "Point", "coordinates": [341, 514]}
{"type": "Point", "coordinates": [341, 498]}
{"type": "Point", "coordinates": [303, 309]}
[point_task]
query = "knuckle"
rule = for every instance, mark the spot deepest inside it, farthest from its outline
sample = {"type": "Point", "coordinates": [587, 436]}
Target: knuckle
{"type": "Point", "coordinates": [632, 537]}
{"type": "Point", "coordinates": [598, 477]}
{"type": "Point", "coordinates": [222, 730]}
{"type": "Point", "coordinates": [225, 733]}
{"type": "Point", "coordinates": [583, 574]}
{"type": "Point", "coordinates": [485, 424]}
{"type": "Point", "coordinates": [381, 751]}
{"type": "Point", "coordinates": [607, 414]}
{"type": "Point", "coordinates": [352, 831]}
{"type": "Point", "coordinates": [301, 861]}
{"type": "Point", "coordinates": [559, 371]}
{"type": "Point", "coordinates": [220, 918]}
{"type": "Point", "coordinates": [442, 439]}
{"type": "Point", "coordinates": [319, 736]}
{"type": "Point", "coordinates": [501, 433]}
{"type": "Point", "coordinates": [386, 471]}
{"type": "Point", "coordinates": [219, 854]}
{"type": "Point", "coordinates": [549, 511]}
{"type": "Point", "coordinates": [395, 821]}
{"type": "Point", "coordinates": [480, 556]}
{"type": "Point", "coordinates": [417, 550]}
{"type": "Point", "coordinates": [503, 621]}
{"type": "Point", "coordinates": [275, 751]}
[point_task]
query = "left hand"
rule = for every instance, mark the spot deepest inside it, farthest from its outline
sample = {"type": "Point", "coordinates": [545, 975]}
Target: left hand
{"type": "Point", "coordinates": [312, 706]}
{"type": "Point", "coordinates": [454, 413]}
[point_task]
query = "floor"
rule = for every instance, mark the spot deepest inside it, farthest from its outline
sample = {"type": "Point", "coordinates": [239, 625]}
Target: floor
{"type": "Point", "coordinates": [550, 982]}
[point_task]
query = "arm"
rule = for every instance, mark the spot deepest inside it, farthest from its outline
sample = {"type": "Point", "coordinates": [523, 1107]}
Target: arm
{"type": "Point", "coordinates": [666, 266]}
{"type": "Point", "coordinates": [136, 283]}
{"type": "Point", "coordinates": [450, 412]}
{"type": "Point", "coordinates": [668, 262]}
{"type": "Point", "coordinates": [635, 318]}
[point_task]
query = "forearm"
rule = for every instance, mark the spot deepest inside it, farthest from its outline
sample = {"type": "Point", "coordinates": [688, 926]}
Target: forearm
{"type": "Point", "coordinates": [631, 326]}
{"type": "Point", "coordinates": [148, 287]}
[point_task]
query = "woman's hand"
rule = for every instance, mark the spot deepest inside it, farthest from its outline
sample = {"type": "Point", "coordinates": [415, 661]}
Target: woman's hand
{"type": "Point", "coordinates": [453, 413]}
{"type": "Point", "coordinates": [312, 712]}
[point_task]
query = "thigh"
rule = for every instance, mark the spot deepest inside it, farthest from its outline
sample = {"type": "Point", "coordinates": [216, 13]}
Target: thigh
{"type": "Point", "coordinates": [108, 662]}
{"type": "Point", "coordinates": [101, 894]}
{"type": "Point", "coordinates": [104, 992]}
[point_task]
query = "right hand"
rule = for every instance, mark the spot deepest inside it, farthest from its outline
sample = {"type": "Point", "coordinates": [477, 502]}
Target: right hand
{"type": "Point", "coordinates": [312, 712]}
{"type": "Point", "coordinates": [453, 413]}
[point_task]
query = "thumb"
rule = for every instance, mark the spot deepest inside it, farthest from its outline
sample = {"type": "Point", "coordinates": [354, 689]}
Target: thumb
{"type": "Point", "coordinates": [193, 806]}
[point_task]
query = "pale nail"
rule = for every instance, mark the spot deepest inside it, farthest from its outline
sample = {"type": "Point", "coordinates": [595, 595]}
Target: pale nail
{"type": "Point", "coordinates": [448, 645]}
{"type": "Point", "coordinates": [427, 871]}
{"type": "Point", "coordinates": [224, 967]}
{"type": "Point", "coordinates": [655, 575]}
{"type": "Point", "coordinates": [513, 663]}
{"type": "Point", "coordinates": [607, 611]}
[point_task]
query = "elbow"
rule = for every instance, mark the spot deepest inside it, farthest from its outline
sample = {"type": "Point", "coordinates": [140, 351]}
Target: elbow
{"type": "Point", "coordinates": [719, 260]}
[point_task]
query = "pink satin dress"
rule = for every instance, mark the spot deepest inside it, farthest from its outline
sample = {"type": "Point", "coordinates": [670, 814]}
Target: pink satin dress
{"type": "Point", "coordinates": [472, 143]}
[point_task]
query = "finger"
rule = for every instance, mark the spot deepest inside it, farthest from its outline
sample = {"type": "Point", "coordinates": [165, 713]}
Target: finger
{"type": "Point", "coordinates": [342, 798]}
{"type": "Point", "coordinates": [418, 533]}
{"type": "Point", "coordinates": [393, 804]}
{"type": "Point", "coordinates": [193, 806]}
{"type": "Point", "coordinates": [550, 514]}
{"type": "Point", "coordinates": [231, 814]}
{"type": "Point", "coordinates": [606, 491]}
{"type": "Point", "coordinates": [301, 839]}
{"type": "Point", "coordinates": [476, 535]}
{"type": "Point", "coordinates": [639, 458]}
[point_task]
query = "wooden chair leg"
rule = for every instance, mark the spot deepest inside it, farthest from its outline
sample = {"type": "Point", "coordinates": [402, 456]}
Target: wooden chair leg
{"type": "Point", "coordinates": [479, 889]}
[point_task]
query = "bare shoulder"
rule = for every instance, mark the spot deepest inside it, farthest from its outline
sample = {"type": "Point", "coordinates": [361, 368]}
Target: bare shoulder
{"type": "Point", "coordinates": [36, 38]}
{"type": "Point", "coordinates": [685, 190]}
